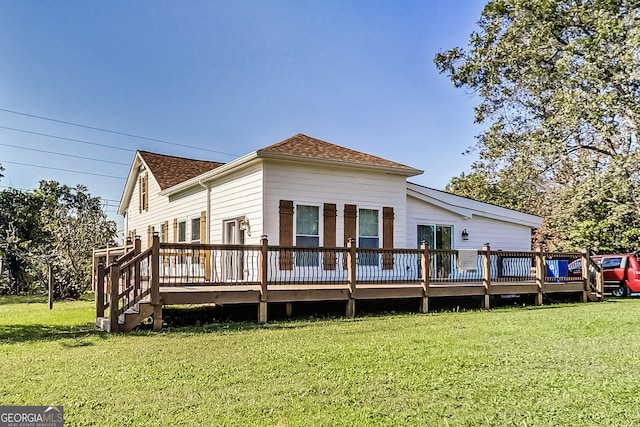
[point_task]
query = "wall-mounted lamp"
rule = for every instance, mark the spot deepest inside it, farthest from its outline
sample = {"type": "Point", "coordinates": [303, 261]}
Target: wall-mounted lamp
{"type": "Point", "coordinates": [465, 234]}
{"type": "Point", "coordinates": [245, 225]}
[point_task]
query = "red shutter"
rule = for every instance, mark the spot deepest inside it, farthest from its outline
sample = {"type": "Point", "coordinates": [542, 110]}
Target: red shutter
{"type": "Point", "coordinates": [286, 234]}
{"type": "Point", "coordinates": [329, 235]}
{"type": "Point", "coordinates": [387, 237]}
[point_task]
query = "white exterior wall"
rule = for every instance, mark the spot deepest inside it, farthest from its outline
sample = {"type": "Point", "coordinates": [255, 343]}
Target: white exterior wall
{"type": "Point", "coordinates": [237, 195]}
{"type": "Point", "coordinates": [500, 235]}
{"type": "Point", "coordinates": [309, 184]}
{"type": "Point", "coordinates": [184, 206]}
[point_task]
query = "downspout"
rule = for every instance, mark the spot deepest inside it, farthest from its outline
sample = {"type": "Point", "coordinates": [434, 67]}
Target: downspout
{"type": "Point", "coordinates": [208, 210]}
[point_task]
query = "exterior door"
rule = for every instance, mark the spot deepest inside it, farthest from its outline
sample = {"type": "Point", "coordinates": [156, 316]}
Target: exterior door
{"type": "Point", "coordinates": [438, 237]}
{"type": "Point", "coordinates": [233, 259]}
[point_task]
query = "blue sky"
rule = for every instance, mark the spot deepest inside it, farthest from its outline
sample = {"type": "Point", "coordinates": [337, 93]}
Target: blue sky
{"type": "Point", "coordinates": [227, 78]}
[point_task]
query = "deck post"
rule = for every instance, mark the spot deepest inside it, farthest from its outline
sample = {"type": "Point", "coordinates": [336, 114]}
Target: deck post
{"type": "Point", "coordinates": [137, 248]}
{"type": "Point", "coordinates": [351, 272]}
{"type": "Point", "coordinates": [486, 275]}
{"type": "Point", "coordinates": [99, 289]}
{"type": "Point", "coordinates": [541, 273]}
{"type": "Point", "coordinates": [424, 263]}
{"type": "Point", "coordinates": [586, 277]}
{"type": "Point", "coordinates": [264, 277]}
{"type": "Point", "coordinates": [155, 283]}
{"type": "Point", "coordinates": [113, 297]}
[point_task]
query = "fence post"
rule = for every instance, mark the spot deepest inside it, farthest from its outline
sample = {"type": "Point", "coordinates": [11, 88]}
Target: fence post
{"type": "Point", "coordinates": [541, 273]}
{"type": "Point", "coordinates": [99, 295]}
{"type": "Point", "coordinates": [586, 276]}
{"type": "Point", "coordinates": [155, 283]}
{"type": "Point", "coordinates": [424, 263]}
{"type": "Point", "coordinates": [114, 296]}
{"type": "Point", "coordinates": [50, 287]}
{"type": "Point", "coordinates": [486, 274]}
{"type": "Point", "coordinates": [137, 248]}
{"type": "Point", "coordinates": [351, 273]}
{"type": "Point", "coordinates": [264, 277]}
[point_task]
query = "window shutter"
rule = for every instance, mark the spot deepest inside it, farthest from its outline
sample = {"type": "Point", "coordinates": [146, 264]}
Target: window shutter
{"type": "Point", "coordinates": [140, 194]}
{"type": "Point", "coordinates": [286, 234]}
{"type": "Point", "coordinates": [329, 235]}
{"type": "Point", "coordinates": [350, 214]}
{"type": "Point", "coordinates": [387, 237]}
{"type": "Point", "coordinates": [203, 227]}
{"type": "Point", "coordinates": [148, 235]}
{"type": "Point", "coordinates": [146, 192]}
{"type": "Point", "coordinates": [175, 230]}
{"type": "Point", "coordinates": [166, 231]}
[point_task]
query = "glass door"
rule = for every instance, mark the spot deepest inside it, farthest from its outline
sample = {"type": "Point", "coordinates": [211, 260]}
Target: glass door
{"type": "Point", "coordinates": [438, 237]}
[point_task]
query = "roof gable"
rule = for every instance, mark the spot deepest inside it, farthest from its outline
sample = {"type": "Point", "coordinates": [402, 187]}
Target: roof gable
{"type": "Point", "coordinates": [305, 147]}
{"type": "Point", "coordinates": [171, 170]}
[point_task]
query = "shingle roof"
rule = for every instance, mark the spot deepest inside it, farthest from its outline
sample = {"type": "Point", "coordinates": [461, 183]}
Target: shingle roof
{"type": "Point", "coordinates": [305, 146]}
{"type": "Point", "coordinates": [172, 170]}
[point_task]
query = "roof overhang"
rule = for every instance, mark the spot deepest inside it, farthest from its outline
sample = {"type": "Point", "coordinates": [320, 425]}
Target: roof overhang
{"type": "Point", "coordinates": [337, 163]}
{"type": "Point", "coordinates": [130, 183]}
{"type": "Point", "coordinates": [467, 208]}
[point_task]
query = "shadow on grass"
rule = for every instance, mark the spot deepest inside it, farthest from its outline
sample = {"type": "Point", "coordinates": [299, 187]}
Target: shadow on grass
{"type": "Point", "coordinates": [10, 334]}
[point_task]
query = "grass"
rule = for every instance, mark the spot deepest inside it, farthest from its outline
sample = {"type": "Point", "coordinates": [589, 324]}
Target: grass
{"type": "Point", "coordinates": [571, 364]}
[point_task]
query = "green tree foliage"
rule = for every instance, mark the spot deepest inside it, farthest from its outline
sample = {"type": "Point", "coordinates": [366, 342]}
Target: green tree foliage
{"type": "Point", "coordinates": [56, 226]}
{"type": "Point", "coordinates": [559, 83]}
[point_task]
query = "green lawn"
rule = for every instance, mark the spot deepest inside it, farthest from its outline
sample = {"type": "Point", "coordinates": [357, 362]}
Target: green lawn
{"type": "Point", "coordinates": [572, 364]}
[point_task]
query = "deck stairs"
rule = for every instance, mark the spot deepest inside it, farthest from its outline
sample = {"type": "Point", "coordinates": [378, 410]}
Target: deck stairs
{"type": "Point", "coordinates": [129, 319]}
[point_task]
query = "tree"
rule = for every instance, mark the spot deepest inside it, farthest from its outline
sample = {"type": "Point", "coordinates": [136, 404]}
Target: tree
{"type": "Point", "coordinates": [55, 226]}
{"type": "Point", "coordinates": [76, 224]}
{"type": "Point", "coordinates": [20, 232]}
{"type": "Point", "coordinates": [559, 82]}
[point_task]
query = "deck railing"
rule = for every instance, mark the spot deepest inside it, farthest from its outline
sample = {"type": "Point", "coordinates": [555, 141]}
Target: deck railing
{"type": "Point", "coordinates": [138, 275]}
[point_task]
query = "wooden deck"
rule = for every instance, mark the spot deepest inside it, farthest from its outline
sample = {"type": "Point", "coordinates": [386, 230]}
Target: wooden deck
{"type": "Point", "coordinates": [138, 284]}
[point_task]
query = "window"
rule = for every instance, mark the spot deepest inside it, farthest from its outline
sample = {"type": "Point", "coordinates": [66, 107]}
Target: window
{"type": "Point", "coordinates": [143, 202]}
{"type": "Point", "coordinates": [162, 233]}
{"type": "Point", "coordinates": [182, 231]}
{"type": "Point", "coordinates": [307, 234]}
{"type": "Point", "coordinates": [195, 230]}
{"type": "Point", "coordinates": [368, 235]}
{"type": "Point", "coordinates": [438, 237]}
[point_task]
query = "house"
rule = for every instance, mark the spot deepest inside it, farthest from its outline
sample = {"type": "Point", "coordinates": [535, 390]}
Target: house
{"type": "Point", "coordinates": [308, 220]}
{"type": "Point", "coordinates": [303, 191]}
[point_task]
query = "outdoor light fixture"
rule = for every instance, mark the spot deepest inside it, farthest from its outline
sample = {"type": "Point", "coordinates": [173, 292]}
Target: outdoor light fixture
{"type": "Point", "coordinates": [465, 234]}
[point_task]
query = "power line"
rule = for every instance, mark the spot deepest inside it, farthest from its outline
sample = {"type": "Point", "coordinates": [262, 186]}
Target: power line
{"type": "Point", "coordinates": [67, 139]}
{"type": "Point", "coordinates": [115, 132]}
{"type": "Point", "coordinates": [102, 199]}
{"type": "Point", "coordinates": [64, 154]}
{"type": "Point", "coordinates": [63, 170]}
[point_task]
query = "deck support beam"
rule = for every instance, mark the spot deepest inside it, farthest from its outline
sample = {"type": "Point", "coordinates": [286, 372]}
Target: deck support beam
{"type": "Point", "coordinates": [425, 264]}
{"type": "Point", "coordinates": [155, 283]}
{"type": "Point", "coordinates": [262, 312]}
{"type": "Point", "coordinates": [351, 273]}
{"type": "Point", "coordinates": [541, 272]}
{"type": "Point", "coordinates": [486, 275]}
{"type": "Point", "coordinates": [288, 307]}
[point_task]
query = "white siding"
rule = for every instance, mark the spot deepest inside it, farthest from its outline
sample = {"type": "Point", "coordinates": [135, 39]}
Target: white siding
{"type": "Point", "coordinates": [235, 196]}
{"type": "Point", "coordinates": [499, 234]}
{"type": "Point", "coordinates": [184, 206]}
{"type": "Point", "coordinates": [315, 185]}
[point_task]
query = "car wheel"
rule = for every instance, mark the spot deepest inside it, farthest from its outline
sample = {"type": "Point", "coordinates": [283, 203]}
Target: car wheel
{"type": "Point", "coordinates": [620, 291]}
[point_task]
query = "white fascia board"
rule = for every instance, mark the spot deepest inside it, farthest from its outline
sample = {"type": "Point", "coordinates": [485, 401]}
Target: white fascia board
{"type": "Point", "coordinates": [474, 207]}
{"type": "Point", "coordinates": [465, 213]}
{"type": "Point", "coordinates": [209, 176]}
{"type": "Point", "coordinates": [387, 169]}
{"type": "Point", "coordinates": [130, 184]}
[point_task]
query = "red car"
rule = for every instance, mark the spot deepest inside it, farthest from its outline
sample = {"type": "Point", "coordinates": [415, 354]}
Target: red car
{"type": "Point", "coordinates": [621, 272]}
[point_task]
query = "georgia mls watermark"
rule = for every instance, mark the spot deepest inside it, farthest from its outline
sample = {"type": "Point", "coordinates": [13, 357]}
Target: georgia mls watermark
{"type": "Point", "coordinates": [31, 416]}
